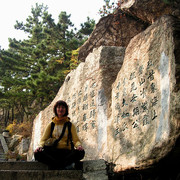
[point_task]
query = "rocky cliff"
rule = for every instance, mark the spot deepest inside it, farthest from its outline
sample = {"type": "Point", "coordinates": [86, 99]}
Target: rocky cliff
{"type": "Point", "coordinates": [125, 101]}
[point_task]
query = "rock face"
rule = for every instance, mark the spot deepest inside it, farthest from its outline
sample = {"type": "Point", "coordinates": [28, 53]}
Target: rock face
{"type": "Point", "coordinates": [24, 145]}
{"type": "Point", "coordinates": [131, 126]}
{"type": "Point", "coordinates": [112, 30]}
{"type": "Point", "coordinates": [145, 98]}
{"type": "Point", "coordinates": [132, 18]}
{"type": "Point", "coordinates": [149, 11]}
{"type": "Point", "coordinates": [15, 142]}
{"type": "Point", "coordinates": [127, 123]}
{"type": "Point", "coordinates": [87, 90]}
{"type": "Point", "coordinates": [126, 107]}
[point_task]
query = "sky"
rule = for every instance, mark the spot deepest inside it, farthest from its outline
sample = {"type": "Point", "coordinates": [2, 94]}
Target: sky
{"type": "Point", "coordinates": [12, 10]}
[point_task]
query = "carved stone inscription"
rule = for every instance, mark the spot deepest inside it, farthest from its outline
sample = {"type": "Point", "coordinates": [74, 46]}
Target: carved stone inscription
{"type": "Point", "coordinates": [83, 108]}
{"type": "Point", "coordinates": [136, 99]}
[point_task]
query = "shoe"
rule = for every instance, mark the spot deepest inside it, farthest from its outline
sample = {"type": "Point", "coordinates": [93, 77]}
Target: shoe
{"type": "Point", "coordinates": [70, 167]}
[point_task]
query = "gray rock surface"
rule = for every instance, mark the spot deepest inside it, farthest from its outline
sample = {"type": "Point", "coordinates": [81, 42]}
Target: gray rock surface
{"type": "Point", "coordinates": [87, 90]}
{"type": "Point", "coordinates": [113, 30]}
{"type": "Point", "coordinates": [126, 107]}
{"type": "Point", "coordinates": [150, 10]}
{"type": "Point", "coordinates": [145, 98]}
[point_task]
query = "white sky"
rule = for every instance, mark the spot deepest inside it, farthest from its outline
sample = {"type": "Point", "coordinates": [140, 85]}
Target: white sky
{"type": "Point", "coordinates": [12, 10]}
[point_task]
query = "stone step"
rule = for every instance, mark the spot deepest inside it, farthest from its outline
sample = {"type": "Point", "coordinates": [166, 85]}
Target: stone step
{"type": "Point", "coordinates": [2, 157]}
{"type": "Point", "coordinates": [30, 170]}
{"type": "Point", "coordinates": [2, 154]}
{"type": "Point", "coordinates": [1, 149]}
{"type": "Point", "coordinates": [41, 174]}
{"type": "Point", "coordinates": [20, 165]}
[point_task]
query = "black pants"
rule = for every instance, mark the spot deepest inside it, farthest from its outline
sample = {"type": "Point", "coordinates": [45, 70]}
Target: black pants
{"type": "Point", "coordinates": [59, 158]}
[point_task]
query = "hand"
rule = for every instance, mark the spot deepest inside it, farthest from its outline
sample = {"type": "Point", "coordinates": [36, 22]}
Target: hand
{"type": "Point", "coordinates": [80, 148]}
{"type": "Point", "coordinates": [39, 149]}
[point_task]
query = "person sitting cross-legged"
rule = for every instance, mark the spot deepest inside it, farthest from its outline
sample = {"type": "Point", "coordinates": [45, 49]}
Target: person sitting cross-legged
{"type": "Point", "coordinates": [67, 150]}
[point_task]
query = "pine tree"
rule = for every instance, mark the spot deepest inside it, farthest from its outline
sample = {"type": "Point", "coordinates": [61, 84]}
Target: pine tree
{"type": "Point", "coordinates": [32, 70]}
{"type": "Point", "coordinates": [87, 27]}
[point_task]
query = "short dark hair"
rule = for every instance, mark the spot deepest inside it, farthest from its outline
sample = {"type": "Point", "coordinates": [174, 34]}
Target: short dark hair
{"type": "Point", "coordinates": [61, 103]}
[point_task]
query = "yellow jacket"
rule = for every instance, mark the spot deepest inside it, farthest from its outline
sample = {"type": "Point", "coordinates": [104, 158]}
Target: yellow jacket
{"type": "Point", "coordinates": [62, 144]}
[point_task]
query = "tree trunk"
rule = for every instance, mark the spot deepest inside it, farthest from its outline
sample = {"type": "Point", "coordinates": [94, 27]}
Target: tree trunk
{"type": "Point", "coordinates": [6, 117]}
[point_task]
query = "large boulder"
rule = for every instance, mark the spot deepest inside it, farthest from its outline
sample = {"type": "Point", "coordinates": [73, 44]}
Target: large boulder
{"type": "Point", "coordinates": [145, 119]}
{"type": "Point", "coordinates": [24, 145]}
{"type": "Point", "coordinates": [87, 90]}
{"type": "Point", "coordinates": [150, 10]}
{"type": "Point", "coordinates": [15, 140]}
{"type": "Point", "coordinates": [126, 108]}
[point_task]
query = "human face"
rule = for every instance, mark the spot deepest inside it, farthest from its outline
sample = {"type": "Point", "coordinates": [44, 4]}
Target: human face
{"type": "Point", "coordinates": [61, 110]}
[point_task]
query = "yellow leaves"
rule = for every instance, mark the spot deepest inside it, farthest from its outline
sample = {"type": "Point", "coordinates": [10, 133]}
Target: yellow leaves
{"type": "Point", "coordinates": [11, 127]}
{"type": "Point", "coordinates": [66, 72]}
{"type": "Point", "coordinates": [60, 61]}
{"type": "Point", "coordinates": [75, 53]}
{"type": "Point", "coordinates": [74, 62]}
{"type": "Point", "coordinates": [23, 128]}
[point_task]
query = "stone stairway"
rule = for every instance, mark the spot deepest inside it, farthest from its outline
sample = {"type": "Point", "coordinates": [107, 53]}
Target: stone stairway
{"type": "Point", "coordinates": [92, 170]}
{"type": "Point", "coordinates": [32, 170]}
{"type": "Point", "coordinates": [2, 155]}
{"type": "Point", "coordinates": [3, 148]}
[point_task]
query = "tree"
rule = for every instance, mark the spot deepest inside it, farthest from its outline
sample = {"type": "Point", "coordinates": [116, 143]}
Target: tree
{"type": "Point", "coordinates": [32, 70]}
{"type": "Point", "coordinates": [87, 27]}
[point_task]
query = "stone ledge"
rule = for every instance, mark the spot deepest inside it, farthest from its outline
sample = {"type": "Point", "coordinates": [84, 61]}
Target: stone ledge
{"type": "Point", "coordinates": [90, 165]}
{"type": "Point", "coordinates": [96, 175]}
{"type": "Point", "coordinates": [18, 165]}
{"type": "Point", "coordinates": [95, 170]}
{"type": "Point", "coordinates": [40, 175]}
{"type": "Point", "coordinates": [94, 165]}
{"type": "Point", "coordinates": [92, 170]}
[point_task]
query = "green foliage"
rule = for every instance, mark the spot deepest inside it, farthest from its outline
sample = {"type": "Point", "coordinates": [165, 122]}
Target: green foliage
{"type": "Point", "coordinates": [87, 27]}
{"type": "Point", "coordinates": [32, 70]}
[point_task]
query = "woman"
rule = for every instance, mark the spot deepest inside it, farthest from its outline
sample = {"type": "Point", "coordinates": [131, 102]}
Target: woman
{"type": "Point", "coordinates": [62, 156]}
